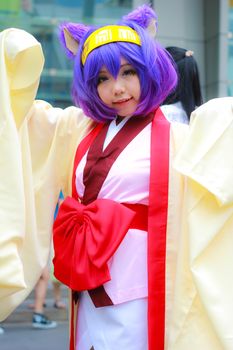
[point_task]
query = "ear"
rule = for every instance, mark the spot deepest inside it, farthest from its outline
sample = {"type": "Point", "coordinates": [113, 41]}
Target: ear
{"type": "Point", "coordinates": [152, 28]}
{"type": "Point", "coordinates": [145, 17]}
{"type": "Point", "coordinates": [71, 43]}
{"type": "Point", "coordinates": [71, 35]}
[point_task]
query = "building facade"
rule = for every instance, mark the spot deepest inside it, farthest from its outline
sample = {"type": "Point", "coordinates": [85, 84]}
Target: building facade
{"type": "Point", "coordinates": [203, 26]}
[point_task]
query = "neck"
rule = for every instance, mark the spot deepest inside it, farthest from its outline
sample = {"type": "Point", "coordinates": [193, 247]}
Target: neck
{"type": "Point", "coordinates": [119, 119]}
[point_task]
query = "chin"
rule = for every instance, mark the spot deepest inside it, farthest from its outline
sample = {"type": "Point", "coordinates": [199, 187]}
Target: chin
{"type": "Point", "coordinates": [126, 114]}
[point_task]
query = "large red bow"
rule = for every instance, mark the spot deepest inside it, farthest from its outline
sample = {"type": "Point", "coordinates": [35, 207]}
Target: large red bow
{"type": "Point", "coordinates": [85, 237]}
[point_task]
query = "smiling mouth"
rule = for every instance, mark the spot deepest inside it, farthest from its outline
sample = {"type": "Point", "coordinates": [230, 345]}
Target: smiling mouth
{"type": "Point", "coordinates": [122, 101]}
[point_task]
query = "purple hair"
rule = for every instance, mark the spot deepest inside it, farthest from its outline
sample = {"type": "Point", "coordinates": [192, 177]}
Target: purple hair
{"type": "Point", "coordinates": [156, 73]}
{"type": "Point", "coordinates": [142, 15]}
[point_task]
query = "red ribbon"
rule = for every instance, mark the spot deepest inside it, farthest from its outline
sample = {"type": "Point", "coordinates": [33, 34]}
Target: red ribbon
{"type": "Point", "coordinates": [85, 237]}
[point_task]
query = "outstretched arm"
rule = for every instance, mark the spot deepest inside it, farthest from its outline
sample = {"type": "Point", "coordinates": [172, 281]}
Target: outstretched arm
{"type": "Point", "coordinates": [37, 146]}
{"type": "Point", "coordinates": [21, 62]}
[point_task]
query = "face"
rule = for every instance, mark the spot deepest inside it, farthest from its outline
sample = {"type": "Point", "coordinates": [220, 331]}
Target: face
{"type": "Point", "coordinates": [122, 93]}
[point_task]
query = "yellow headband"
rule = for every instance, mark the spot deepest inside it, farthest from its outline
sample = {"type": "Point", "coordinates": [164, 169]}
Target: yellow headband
{"type": "Point", "coordinates": [109, 34]}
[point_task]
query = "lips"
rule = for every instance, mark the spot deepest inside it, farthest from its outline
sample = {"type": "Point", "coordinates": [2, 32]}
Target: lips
{"type": "Point", "coordinates": [122, 101]}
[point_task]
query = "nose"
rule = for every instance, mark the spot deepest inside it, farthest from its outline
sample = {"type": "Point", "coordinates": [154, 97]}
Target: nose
{"type": "Point", "coordinates": [118, 87]}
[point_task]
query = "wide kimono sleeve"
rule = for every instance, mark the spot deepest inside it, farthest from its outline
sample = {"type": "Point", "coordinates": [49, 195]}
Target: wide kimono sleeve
{"type": "Point", "coordinates": [202, 313]}
{"type": "Point", "coordinates": [37, 148]}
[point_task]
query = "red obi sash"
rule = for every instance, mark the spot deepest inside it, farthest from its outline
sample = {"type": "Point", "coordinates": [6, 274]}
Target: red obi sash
{"type": "Point", "coordinates": [81, 233]}
{"type": "Point", "coordinates": [87, 236]}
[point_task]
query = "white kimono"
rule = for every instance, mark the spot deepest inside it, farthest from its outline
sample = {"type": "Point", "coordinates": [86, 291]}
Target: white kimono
{"type": "Point", "coordinates": [126, 182]}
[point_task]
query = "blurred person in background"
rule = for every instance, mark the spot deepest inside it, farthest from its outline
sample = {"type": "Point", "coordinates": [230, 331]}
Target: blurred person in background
{"type": "Point", "coordinates": [39, 319]}
{"type": "Point", "coordinates": [57, 285]}
{"type": "Point", "coordinates": [187, 96]}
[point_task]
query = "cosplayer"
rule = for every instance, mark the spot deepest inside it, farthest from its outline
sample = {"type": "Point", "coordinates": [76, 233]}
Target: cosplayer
{"type": "Point", "coordinates": [143, 238]}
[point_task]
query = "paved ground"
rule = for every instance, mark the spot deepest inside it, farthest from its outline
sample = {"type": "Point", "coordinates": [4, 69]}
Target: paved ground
{"type": "Point", "coordinates": [21, 336]}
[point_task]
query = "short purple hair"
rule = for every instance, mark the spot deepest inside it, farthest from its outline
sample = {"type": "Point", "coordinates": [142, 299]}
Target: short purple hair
{"type": "Point", "coordinates": [156, 73]}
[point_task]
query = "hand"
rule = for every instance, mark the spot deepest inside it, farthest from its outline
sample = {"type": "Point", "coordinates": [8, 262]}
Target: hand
{"type": "Point", "coordinates": [21, 49]}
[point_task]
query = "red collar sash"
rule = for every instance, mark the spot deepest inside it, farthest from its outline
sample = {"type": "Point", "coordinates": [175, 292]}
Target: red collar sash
{"type": "Point", "coordinates": [157, 226]}
{"type": "Point", "coordinates": [99, 161]}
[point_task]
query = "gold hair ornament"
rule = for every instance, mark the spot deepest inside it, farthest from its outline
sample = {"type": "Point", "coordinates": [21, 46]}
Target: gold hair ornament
{"type": "Point", "coordinates": [109, 34]}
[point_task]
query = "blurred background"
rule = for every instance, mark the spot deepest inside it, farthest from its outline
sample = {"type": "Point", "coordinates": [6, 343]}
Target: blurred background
{"type": "Point", "coordinates": [204, 26]}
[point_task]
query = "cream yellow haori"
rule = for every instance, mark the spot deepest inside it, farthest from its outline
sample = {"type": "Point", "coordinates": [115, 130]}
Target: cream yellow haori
{"type": "Point", "coordinates": [35, 165]}
{"type": "Point", "coordinates": [202, 309]}
{"type": "Point", "coordinates": [37, 147]}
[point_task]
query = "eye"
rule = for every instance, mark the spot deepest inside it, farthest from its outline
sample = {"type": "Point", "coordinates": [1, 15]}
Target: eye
{"type": "Point", "coordinates": [101, 79]}
{"type": "Point", "coordinates": [129, 71]}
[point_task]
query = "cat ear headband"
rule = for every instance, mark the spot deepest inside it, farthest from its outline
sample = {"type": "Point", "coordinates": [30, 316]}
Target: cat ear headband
{"type": "Point", "coordinates": [71, 33]}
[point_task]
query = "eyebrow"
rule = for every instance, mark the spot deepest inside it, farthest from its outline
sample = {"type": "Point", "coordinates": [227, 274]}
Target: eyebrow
{"type": "Point", "coordinates": [122, 65]}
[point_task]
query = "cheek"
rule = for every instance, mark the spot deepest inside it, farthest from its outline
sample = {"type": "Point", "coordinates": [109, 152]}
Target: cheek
{"type": "Point", "coordinates": [137, 88]}
{"type": "Point", "coordinates": [101, 92]}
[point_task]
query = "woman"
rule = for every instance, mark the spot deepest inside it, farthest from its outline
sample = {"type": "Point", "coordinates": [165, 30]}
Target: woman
{"type": "Point", "coordinates": [187, 96]}
{"type": "Point", "coordinates": [126, 242]}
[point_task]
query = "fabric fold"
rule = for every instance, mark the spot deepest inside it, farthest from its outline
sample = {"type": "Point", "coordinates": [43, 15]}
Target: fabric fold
{"type": "Point", "coordinates": [206, 155]}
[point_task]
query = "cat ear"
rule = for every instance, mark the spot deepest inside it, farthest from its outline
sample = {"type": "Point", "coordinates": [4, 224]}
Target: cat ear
{"type": "Point", "coordinates": [71, 43]}
{"type": "Point", "coordinates": [145, 17]}
{"type": "Point", "coordinates": [70, 37]}
{"type": "Point", "coordinates": [152, 27]}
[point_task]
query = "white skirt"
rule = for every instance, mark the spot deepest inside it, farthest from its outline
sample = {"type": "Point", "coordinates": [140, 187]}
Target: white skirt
{"type": "Point", "coordinates": [122, 326]}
